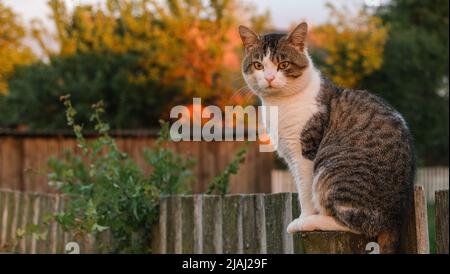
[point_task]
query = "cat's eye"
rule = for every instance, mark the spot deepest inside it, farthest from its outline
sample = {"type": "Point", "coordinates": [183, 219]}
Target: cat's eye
{"type": "Point", "coordinates": [258, 65]}
{"type": "Point", "coordinates": [283, 65]}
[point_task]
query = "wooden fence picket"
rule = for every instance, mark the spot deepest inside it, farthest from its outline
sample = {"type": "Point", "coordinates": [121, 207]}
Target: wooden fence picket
{"type": "Point", "coordinates": [442, 219]}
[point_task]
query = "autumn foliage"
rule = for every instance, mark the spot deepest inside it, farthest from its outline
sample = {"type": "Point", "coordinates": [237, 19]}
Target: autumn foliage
{"type": "Point", "coordinates": [349, 47]}
{"type": "Point", "coordinates": [174, 43]}
{"type": "Point", "coordinates": [12, 50]}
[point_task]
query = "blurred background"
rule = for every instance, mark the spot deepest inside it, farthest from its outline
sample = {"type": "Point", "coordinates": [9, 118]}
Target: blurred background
{"type": "Point", "coordinates": [142, 57]}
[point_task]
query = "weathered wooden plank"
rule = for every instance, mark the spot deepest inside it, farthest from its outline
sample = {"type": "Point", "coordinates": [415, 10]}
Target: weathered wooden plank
{"type": "Point", "coordinates": [278, 210]}
{"type": "Point", "coordinates": [189, 236]}
{"type": "Point", "coordinates": [320, 242]}
{"type": "Point", "coordinates": [173, 225]}
{"type": "Point", "coordinates": [28, 220]}
{"type": "Point", "coordinates": [53, 232]}
{"type": "Point", "coordinates": [414, 233]}
{"type": "Point", "coordinates": [442, 218]}
{"type": "Point", "coordinates": [249, 235]}
{"type": "Point", "coordinates": [260, 216]}
{"type": "Point", "coordinates": [47, 212]}
{"type": "Point", "coordinates": [254, 224]}
{"type": "Point", "coordinates": [232, 224]}
{"type": "Point", "coordinates": [35, 221]}
{"type": "Point", "coordinates": [162, 227]}
{"type": "Point", "coordinates": [295, 206]}
{"type": "Point", "coordinates": [3, 203]}
{"type": "Point", "coordinates": [60, 242]}
{"type": "Point", "coordinates": [198, 224]}
{"type": "Point", "coordinates": [421, 220]}
{"type": "Point", "coordinates": [212, 224]}
{"type": "Point", "coordinates": [40, 243]}
{"type": "Point", "coordinates": [12, 204]}
{"type": "Point", "coordinates": [53, 225]}
{"type": "Point", "coordinates": [24, 222]}
{"type": "Point", "coordinates": [17, 220]}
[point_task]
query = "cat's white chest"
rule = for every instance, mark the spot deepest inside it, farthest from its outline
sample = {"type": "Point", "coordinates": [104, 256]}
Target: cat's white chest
{"type": "Point", "coordinates": [294, 113]}
{"type": "Point", "coordinates": [292, 120]}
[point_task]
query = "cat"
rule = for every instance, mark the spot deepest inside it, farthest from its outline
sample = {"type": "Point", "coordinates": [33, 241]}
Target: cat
{"type": "Point", "coordinates": [351, 154]}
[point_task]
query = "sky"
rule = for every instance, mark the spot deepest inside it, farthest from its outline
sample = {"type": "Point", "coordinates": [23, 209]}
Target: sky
{"type": "Point", "coordinates": [284, 12]}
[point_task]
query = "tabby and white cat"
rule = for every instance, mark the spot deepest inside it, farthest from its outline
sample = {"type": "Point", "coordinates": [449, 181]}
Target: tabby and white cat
{"type": "Point", "coordinates": [351, 154]}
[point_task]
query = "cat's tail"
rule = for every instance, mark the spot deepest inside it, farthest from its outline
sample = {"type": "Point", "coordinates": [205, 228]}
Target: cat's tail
{"type": "Point", "coordinates": [389, 241]}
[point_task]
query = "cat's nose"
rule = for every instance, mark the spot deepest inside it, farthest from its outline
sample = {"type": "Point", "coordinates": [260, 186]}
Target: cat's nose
{"type": "Point", "coordinates": [270, 78]}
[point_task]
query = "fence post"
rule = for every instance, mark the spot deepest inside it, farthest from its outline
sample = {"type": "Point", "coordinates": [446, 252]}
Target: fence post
{"type": "Point", "coordinates": [173, 236]}
{"type": "Point", "coordinates": [278, 209]}
{"type": "Point", "coordinates": [331, 242]}
{"type": "Point", "coordinates": [212, 224]}
{"type": "Point", "coordinates": [188, 223]}
{"type": "Point", "coordinates": [442, 222]}
{"type": "Point", "coordinates": [414, 233]}
{"type": "Point", "coordinates": [232, 224]}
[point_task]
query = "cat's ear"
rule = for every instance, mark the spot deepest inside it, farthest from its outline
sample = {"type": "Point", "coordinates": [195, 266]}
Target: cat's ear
{"type": "Point", "coordinates": [249, 37]}
{"type": "Point", "coordinates": [297, 37]}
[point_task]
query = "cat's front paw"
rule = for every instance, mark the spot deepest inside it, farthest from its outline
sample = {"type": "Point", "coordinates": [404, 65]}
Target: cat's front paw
{"type": "Point", "coordinates": [300, 224]}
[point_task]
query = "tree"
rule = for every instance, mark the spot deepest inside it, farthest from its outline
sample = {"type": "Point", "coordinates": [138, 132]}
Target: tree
{"type": "Point", "coordinates": [141, 57]}
{"type": "Point", "coordinates": [88, 77]}
{"type": "Point", "coordinates": [12, 50]}
{"type": "Point", "coordinates": [348, 48]}
{"type": "Point", "coordinates": [414, 74]}
{"type": "Point", "coordinates": [178, 40]}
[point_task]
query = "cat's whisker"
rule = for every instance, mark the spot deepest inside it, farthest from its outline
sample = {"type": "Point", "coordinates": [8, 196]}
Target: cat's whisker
{"type": "Point", "coordinates": [243, 88]}
{"type": "Point", "coordinates": [241, 91]}
{"type": "Point", "coordinates": [248, 97]}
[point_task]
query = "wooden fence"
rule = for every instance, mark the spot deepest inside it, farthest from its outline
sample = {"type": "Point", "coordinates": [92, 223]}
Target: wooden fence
{"type": "Point", "coordinates": [257, 224]}
{"type": "Point", "coordinates": [253, 223]}
{"type": "Point", "coordinates": [19, 210]}
{"type": "Point", "coordinates": [431, 178]}
{"type": "Point", "coordinates": [22, 210]}
{"type": "Point", "coordinates": [23, 160]}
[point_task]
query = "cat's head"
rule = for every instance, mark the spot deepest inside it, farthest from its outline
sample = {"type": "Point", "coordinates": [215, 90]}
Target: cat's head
{"type": "Point", "coordinates": [276, 64]}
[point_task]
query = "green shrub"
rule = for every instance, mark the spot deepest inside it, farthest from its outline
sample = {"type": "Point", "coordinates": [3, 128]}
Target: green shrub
{"type": "Point", "coordinates": [107, 191]}
{"type": "Point", "coordinates": [221, 183]}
